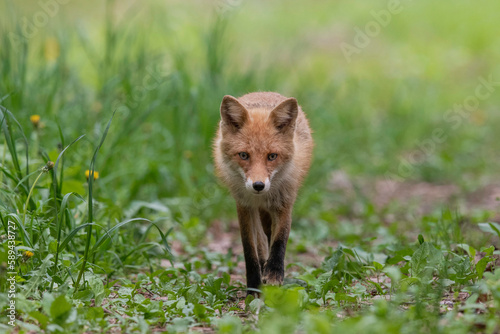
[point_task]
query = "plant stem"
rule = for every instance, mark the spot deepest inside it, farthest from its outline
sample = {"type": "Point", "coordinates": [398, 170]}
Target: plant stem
{"type": "Point", "coordinates": [29, 196]}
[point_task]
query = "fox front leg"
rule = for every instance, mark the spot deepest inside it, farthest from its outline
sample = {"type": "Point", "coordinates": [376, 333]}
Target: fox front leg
{"type": "Point", "coordinates": [273, 272]}
{"type": "Point", "coordinates": [254, 246]}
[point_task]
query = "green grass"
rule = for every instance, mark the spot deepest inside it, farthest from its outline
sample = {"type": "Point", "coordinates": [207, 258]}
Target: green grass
{"type": "Point", "coordinates": [151, 244]}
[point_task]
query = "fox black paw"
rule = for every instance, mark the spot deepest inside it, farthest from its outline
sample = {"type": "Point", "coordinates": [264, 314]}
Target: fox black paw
{"type": "Point", "coordinates": [272, 276]}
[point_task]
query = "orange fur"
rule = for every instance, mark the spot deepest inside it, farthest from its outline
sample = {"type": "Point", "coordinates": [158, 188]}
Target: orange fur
{"type": "Point", "coordinates": [261, 125]}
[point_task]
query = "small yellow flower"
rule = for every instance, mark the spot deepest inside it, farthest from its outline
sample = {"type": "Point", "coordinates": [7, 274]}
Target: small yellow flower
{"type": "Point", "coordinates": [87, 174]}
{"type": "Point", "coordinates": [26, 256]}
{"type": "Point", "coordinates": [35, 120]}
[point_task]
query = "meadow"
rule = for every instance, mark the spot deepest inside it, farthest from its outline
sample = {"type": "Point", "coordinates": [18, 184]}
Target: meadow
{"type": "Point", "coordinates": [112, 218]}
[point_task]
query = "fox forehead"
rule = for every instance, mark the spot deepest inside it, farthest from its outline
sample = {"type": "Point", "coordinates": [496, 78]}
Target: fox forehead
{"type": "Point", "coordinates": [258, 136]}
{"type": "Point", "coordinates": [256, 142]}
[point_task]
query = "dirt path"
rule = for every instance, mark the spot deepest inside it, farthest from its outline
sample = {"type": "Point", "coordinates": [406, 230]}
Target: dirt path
{"type": "Point", "coordinates": [423, 197]}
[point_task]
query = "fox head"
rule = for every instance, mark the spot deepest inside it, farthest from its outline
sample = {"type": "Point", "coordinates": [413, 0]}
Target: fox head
{"type": "Point", "coordinates": [257, 144]}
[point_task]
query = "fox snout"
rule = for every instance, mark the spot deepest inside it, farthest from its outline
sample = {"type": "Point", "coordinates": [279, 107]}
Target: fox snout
{"type": "Point", "coordinates": [258, 187]}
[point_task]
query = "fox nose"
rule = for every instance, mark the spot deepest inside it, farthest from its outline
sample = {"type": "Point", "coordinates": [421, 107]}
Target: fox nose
{"type": "Point", "coordinates": [259, 185]}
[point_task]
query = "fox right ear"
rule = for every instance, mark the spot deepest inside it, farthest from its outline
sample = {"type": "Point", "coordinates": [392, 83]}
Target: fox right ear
{"type": "Point", "coordinates": [233, 114]}
{"type": "Point", "coordinates": [285, 114]}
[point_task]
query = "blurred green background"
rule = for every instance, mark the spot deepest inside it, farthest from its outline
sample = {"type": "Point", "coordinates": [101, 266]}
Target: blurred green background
{"type": "Point", "coordinates": [165, 65]}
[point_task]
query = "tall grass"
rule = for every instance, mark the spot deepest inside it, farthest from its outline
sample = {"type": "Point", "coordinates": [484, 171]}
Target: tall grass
{"type": "Point", "coordinates": [41, 218]}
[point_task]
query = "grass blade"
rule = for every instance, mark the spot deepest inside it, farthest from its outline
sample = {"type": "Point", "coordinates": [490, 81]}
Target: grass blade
{"type": "Point", "coordinates": [107, 234]}
{"type": "Point", "coordinates": [24, 234]}
{"type": "Point", "coordinates": [91, 202]}
{"type": "Point", "coordinates": [12, 148]}
{"type": "Point", "coordinates": [71, 235]}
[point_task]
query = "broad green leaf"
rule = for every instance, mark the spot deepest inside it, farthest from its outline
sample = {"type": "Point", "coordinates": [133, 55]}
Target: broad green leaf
{"type": "Point", "coordinates": [97, 287]}
{"type": "Point", "coordinates": [40, 317]}
{"type": "Point", "coordinates": [446, 282]}
{"type": "Point", "coordinates": [471, 251]}
{"type": "Point", "coordinates": [481, 266]}
{"type": "Point", "coordinates": [493, 228]}
{"type": "Point", "coordinates": [39, 275]}
{"type": "Point", "coordinates": [377, 266]}
{"type": "Point", "coordinates": [200, 311]}
{"type": "Point", "coordinates": [394, 274]}
{"type": "Point", "coordinates": [407, 282]}
{"type": "Point", "coordinates": [489, 250]}
{"type": "Point", "coordinates": [60, 309]}
{"type": "Point", "coordinates": [256, 305]}
{"type": "Point", "coordinates": [425, 257]}
{"type": "Point", "coordinates": [229, 325]}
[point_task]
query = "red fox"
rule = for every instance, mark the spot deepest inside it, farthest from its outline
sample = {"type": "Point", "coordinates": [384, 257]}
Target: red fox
{"type": "Point", "coordinates": [262, 153]}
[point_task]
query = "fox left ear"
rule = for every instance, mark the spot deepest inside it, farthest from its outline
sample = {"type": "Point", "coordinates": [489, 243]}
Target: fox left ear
{"type": "Point", "coordinates": [233, 114]}
{"type": "Point", "coordinates": [285, 114]}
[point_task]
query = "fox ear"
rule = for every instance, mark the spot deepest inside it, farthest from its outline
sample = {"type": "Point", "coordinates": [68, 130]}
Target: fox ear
{"type": "Point", "coordinates": [233, 114]}
{"type": "Point", "coordinates": [285, 114]}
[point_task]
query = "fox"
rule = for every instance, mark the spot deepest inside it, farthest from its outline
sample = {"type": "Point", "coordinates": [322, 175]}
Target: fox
{"type": "Point", "coordinates": [262, 152]}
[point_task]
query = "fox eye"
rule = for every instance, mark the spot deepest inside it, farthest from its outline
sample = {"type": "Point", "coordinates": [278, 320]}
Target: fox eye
{"type": "Point", "coordinates": [272, 156]}
{"type": "Point", "coordinates": [244, 155]}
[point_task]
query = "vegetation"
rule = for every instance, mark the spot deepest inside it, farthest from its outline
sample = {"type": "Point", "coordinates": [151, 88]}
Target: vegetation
{"type": "Point", "coordinates": [107, 112]}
